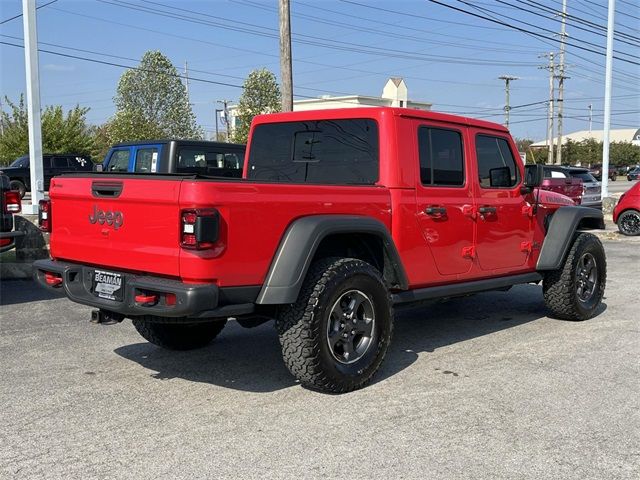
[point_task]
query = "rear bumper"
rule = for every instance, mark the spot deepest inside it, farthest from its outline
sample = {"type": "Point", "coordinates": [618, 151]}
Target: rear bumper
{"type": "Point", "coordinates": [195, 301]}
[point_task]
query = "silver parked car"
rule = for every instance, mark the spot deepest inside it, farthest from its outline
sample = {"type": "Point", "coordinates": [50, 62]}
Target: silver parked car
{"type": "Point", "coordinates": [591, 188]}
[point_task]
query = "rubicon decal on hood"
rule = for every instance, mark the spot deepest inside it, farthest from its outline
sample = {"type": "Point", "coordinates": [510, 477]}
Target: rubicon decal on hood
{"type": "Point", "coordinates": [111, 218]}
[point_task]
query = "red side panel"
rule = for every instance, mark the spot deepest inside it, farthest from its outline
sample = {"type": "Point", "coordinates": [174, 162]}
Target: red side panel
{"type": "Point", "coordinates": [254, 217]}
{"type": "Point", "coordinates": [136, 230]}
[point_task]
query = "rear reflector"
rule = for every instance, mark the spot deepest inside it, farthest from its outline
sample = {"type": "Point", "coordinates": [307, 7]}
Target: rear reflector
{"type": "Point", "coordinates": [12, 202]}
{"type": "Point", "coordinates": [146, 299]}
{"type": "Point", "coordinates": [4, 242]}
{"type": "Point", "coordinates": [52, 279]}
{"type": "Point", "coordinates": [44, 215]}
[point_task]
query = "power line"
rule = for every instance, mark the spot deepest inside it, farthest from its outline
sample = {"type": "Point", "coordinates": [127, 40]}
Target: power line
{"type": "Point", "coordinates": [524, 30]}
{"type": "Point", "coordinates": [310, 39]}
{"type": "Point", "coordinates": [19, 15]}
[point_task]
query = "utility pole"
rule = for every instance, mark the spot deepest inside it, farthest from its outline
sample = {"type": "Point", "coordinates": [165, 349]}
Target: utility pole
{"type": "Point", "coordinates": [551, 67]}
{"type": "Point", "coordinates": [285, 56]}
{"type": "Point", "coordinates": [607, 100]}
{"type": "Point", "coordinates": [561, 77]}
{"type": "Point", "coordinates": [507, 80]}
{"type": "Point", "coordinates": [225, 117]}
{"type": "Point", "coordinates": [590, 116]}
{"type": "Point", "coordinates": [1, 123]}
{"type": "Point", "coordinates": [33, 104]}
{"type": "Point", "coordinates": [186, 77]}
{"type": "Point", "coordinates": [217, 112]}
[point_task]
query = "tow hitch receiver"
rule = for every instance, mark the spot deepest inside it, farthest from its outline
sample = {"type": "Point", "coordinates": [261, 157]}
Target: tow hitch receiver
{"type": "Point", "coordinates": [104, 317]}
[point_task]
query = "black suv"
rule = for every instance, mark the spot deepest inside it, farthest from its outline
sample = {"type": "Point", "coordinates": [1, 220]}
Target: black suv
{"type": "Point", "coordinates": [52, 165]}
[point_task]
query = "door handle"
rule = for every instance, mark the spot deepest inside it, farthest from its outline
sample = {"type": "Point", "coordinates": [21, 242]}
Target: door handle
{"type": "Point", "coordinates": [485, 210]}
{"type": "Point", "coordinates": [435, 211]}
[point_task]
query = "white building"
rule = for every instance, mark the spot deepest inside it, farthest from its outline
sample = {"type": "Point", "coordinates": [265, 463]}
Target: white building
{"type": "Point", "coordinates": [628, 135]}
{"type": "Point", "coordinates": [394, 94]}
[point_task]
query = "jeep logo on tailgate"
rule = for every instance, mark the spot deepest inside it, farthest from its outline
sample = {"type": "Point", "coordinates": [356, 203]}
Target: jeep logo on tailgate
{"type": "Point", "coordinates": [116, 219]}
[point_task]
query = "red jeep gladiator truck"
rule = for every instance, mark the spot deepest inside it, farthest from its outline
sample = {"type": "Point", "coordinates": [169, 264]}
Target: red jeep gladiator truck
{"type": "Point", "coordinates": [340, 216]}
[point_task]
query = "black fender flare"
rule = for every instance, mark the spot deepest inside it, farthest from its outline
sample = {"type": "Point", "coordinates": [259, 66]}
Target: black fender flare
{"type": "Point", "coordinates": [300, 243]}
{"type": "Point", "coordinates": [562, 228]}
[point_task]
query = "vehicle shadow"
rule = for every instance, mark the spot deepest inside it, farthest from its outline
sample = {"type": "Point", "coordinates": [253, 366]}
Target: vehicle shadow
{"type": "Point", "coordinates": [24, 291]}
{"type": "Point", "coordinates": [251, 360]}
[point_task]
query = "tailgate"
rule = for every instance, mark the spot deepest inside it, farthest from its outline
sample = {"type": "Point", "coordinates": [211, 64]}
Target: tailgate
{"type": "Point", "coordinates": [124, 223]}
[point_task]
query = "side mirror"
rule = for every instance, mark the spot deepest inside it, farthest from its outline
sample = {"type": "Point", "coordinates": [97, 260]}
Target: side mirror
{"type": "Point", "coordinates": [533, 175]}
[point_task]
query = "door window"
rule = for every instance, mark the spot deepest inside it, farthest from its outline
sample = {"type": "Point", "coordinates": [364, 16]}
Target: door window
{"type": "Point", "coordinates": [119, 161]}
{"type": "Point", "coordinates": [496, 165]}
{"type": "Point", "coordinates": [145, 158]}
{"type": "Point", "coordinates": [60, 162]}
{"type": "Point", "coordinates": [441, 161]}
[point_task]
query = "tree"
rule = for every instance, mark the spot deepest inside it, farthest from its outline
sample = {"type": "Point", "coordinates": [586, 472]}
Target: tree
{"type": "Point", "coordinates": [60, 133]}
{"type": "Point", "coordinates": [261, 94]}
{"type": "Point", "coordinates": [152, 102]}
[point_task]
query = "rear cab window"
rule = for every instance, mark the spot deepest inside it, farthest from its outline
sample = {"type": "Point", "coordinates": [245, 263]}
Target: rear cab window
{"type": "Point", "coordinates": [334, 152]}
{"type": "Point", "coordinates": [497, 167]}
{"type": "Point", "coordinates": [209, 161]}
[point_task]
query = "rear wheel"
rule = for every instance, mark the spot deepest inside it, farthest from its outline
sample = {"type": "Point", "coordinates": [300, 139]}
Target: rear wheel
{"type": "Point", "coordinates": [574, 291]}
{"type": "Point", "coordinates": [629, 223]}
{"type": "Point", "coordinates": [19, 186]}
{"type": "Point", "coordinates": [335, 337]}
{"type": "Point", "coordinates": [178, 336]}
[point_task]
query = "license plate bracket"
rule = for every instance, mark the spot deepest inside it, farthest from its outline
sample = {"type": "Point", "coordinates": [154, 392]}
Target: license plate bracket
{"type": "Point", "coordinates": [108, 285]}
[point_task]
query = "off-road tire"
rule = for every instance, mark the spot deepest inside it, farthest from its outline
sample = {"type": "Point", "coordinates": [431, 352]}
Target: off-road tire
{"type": "Point", "coordinates": [560, 287]}
{"type": "Point", "coordinates": [178, 336]}
{"type": "Point", "coordinates": [627, 223]}
{"type": "Point", "coordinates": [19, 186]}
{"type": "Point", "coordinates": [302, 326]}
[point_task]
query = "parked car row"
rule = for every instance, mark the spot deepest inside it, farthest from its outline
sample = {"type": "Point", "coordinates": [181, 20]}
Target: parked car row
{"type": "Point", "coordinates": [576, 183]}
{"type": "Point", "coordinates": [633, 174]}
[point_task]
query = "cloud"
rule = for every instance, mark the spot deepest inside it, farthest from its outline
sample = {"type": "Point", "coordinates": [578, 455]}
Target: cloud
{"type": "Point", "coordinates": [56, 67]}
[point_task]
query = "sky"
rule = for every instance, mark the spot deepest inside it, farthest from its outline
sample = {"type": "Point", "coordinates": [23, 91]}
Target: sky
{"type": "Point", "coordinates": [451, 58]}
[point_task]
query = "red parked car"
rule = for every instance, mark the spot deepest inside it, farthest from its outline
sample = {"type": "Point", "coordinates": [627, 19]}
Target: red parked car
{"type": "Point", "coordinates": [627, 212]}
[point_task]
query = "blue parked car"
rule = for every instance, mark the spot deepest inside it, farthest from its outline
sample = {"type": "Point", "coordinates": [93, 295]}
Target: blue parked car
{"type": "Point", "coordinates": [215, 159]}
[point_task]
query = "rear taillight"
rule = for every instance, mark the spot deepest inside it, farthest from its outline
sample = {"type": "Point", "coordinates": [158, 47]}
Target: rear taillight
{"type": "Point", "coordinates": [44, 215]}
{"type": "Point", "coordinates": [199, 228]}
{"type": "Point", "coordinates": [12, 202]}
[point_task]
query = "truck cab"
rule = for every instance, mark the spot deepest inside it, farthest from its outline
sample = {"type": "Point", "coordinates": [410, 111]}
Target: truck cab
{"type": "Point", "coordinates": [176, 156]}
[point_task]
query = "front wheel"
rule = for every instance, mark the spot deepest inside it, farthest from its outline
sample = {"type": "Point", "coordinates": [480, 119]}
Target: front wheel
{"type": "Point", "coordinates": [335, 337]}
{"type": "Point", "coordinates": [178, 336]}
{"type": "Point", "coordinates": [629, 223]}
{"type": "Point", "coordinates": [575, 291]}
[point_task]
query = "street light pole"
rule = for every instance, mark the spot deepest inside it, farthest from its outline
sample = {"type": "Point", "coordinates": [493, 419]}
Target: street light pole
{"type": "Point", "coordinates": [607, 100]}
{"type": "Point", "coordinates": [33, 104]}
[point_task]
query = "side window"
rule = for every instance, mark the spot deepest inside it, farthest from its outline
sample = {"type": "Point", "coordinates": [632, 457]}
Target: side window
{"type": "Point", "coordinates": [119, 161]}
{"type": "Point", "coordinates": [441, 160]}
{"type": "Point", "coordinates": [59, 162]}
{"type": "Point", "coordinates": [145, 159]}
{"type": "Point", "coordinates": [496, 166]}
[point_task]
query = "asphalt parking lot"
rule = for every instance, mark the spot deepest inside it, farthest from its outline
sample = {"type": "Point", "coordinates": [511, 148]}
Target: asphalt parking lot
{"type": "Point", "coordinates": [480, 387]}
